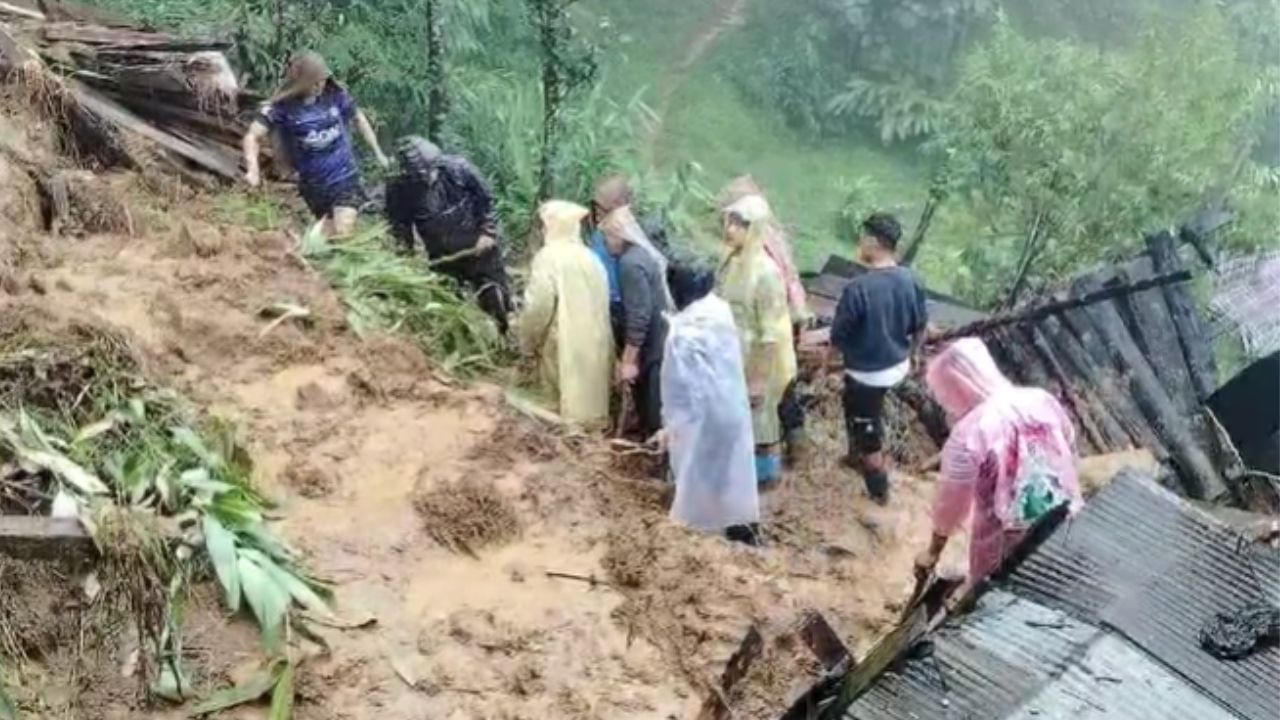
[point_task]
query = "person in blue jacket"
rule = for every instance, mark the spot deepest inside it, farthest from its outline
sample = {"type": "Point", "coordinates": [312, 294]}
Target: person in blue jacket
{"type": "Point", "coordinates": [314, 116]}
{"type": "Point", "coordinates": [611, 193]}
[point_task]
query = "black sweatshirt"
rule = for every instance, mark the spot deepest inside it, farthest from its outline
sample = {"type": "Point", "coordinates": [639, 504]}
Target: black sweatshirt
{"type": "Point", "coordinates": [879, 314]}
{"type": "Point", "coordinates": [449, 214]}
{"type": "Point", "coordinates": [643, 302]}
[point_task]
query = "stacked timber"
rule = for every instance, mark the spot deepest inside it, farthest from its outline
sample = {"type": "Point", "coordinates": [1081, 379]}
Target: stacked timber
{"type": "Point", "coordinates": [1130, 359]}
{"type": "Point", "coordinates": [116, 88]}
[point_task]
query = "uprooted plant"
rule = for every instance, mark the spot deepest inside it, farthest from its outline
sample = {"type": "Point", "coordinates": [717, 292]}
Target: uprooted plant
{"type": "Point", "coordinates": [389, 292]}
{"type": "Point", "coordinates": [166, 496]}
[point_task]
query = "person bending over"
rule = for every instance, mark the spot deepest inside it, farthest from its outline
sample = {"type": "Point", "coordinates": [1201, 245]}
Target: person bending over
{"type": "Point", "coordinates": [443, 200]}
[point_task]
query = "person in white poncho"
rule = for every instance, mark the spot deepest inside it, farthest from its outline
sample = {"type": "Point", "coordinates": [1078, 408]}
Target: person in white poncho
{"type": "Point", "coordinates": [707, 422]}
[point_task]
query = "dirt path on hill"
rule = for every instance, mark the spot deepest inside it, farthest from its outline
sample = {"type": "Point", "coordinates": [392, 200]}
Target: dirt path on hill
{"type": "Point", "coordinates": [724, 16]}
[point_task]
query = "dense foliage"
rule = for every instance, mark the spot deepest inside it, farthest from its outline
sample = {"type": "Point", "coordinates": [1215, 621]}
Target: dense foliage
{"type": "Point", "coordinates": [1058, 130]}
{"type": "Point", "coordinates": [1065, 156]}
{"type": "Point", "coordinates": [829, 65]}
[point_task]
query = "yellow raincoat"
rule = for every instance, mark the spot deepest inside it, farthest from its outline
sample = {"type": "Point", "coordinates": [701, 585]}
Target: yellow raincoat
{"type": "Point", "coordinates": [566, 317]}
{"type": "Point", "coordinates": [752, 285]}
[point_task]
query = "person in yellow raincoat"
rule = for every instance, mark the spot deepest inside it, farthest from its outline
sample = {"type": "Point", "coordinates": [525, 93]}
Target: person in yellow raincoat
{"type": "Point", "coordinates": [565, 323]}
{"type": "Point", "coordinates": [777, 246]}
{"type": "Point", "coordinates": [753, 286]}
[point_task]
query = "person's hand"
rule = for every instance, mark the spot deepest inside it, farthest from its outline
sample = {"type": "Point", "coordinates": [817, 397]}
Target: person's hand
{"type": "Point", "coordinates": [485, 244]}
{"type": "Point", "coordinates": [627, 373]}
{"type": "Point", "coordinates": [253, 177]}
{"type": "Point", "coordinates": [383, 161]}
{"type": "Point", "coordinates": [925, 564]}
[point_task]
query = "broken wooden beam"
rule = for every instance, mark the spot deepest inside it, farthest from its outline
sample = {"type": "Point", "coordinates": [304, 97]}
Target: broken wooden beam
{"type": "Point", "coordinates": [1079, 371]}
{"type": "Point", "coordinates": [19, 11]}
{"type": "Point", "coordinates": [1191, 332]}
{"type": "Point", "coordinates": [30, 537]}
{"type": "Point", "coordinates": [1199, 477]}
{"type": "Point", "coordinates": [118, 116]}
{"type": "Point", "coordinates": [1147, 315]}
{"type": "Point", "coordinates": [1038, 312]}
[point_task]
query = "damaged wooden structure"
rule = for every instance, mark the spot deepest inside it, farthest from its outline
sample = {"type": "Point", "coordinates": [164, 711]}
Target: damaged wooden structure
{"type": "Point", "coordinates": [1134, 371]}
{"type": "Point", "coordinates": [116, 88]}
{"type": "Point", "coordinates": [1126, 351]}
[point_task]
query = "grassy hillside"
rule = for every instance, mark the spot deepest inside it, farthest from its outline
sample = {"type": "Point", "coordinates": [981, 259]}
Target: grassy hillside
{"type": "Point", "coordinates": [707, 120]}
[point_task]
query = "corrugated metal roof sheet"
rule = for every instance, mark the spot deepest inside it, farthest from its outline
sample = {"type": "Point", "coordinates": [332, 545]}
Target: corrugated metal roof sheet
{"type": "Point", "coordinates": [1102, 621]}
{"type": "Point", "coordinates": [1013, 658]}
{"type": "Point", "coordinates": [1155, 568]}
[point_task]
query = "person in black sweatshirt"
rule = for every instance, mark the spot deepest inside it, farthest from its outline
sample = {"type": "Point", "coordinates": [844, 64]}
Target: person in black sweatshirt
{"type": "Point", "coordinates": [878, 327]}
{"type": "Point", "coordinates": [443, 200]}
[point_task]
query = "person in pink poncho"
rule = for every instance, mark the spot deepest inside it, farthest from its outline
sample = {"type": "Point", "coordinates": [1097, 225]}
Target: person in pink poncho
{"type": "Point", "coordinates": [1010, 458]}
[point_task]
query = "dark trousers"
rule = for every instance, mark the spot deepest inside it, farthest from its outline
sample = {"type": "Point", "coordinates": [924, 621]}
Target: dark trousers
{"type": "Point", "coordinates": [864, 417]}
{"type": "Point", "coordinates": [791, 410]}
{"type": "Point", "coordinates": [647, 395]}
{"type": "Point", "coordinates": [487, 279]}
{"type": "Point", "coordinates": [864, 423]}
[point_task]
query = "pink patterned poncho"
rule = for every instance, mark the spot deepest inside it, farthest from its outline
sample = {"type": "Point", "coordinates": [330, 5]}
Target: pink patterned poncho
{"type": "Point", "coordinates": [1010, 457]}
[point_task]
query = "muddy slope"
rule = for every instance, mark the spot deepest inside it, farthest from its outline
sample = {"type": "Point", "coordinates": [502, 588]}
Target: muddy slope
{"type": "Point", "coordinates": [347, 432]}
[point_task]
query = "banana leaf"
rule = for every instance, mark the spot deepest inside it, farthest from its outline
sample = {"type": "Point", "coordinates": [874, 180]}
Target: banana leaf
{"type": "Point", "coordinates": [250, 690]}
{"type": "Point", "coordinates": [221, 546]}
{"type": "Point", "coordinates": [282, 697]}
{"type": "Point", "coordinates": [267, 598]}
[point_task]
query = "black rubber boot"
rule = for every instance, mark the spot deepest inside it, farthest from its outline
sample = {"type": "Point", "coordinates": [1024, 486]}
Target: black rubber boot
{"type": "Point", "coordinates": [877, 486]}
{"type": "Point", "coordinates": [745, 534]}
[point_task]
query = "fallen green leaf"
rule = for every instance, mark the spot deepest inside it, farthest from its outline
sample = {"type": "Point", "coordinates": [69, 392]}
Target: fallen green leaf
{"type": "Point", "coordinates": [282, 697]}
{"type": "Point", "coordinates": [8, 708]}
{"type": "Point", "coordinates": [250, 690]}
{"type": "Point", "coordinates": [268, 600]}
{"type": "Point", "coordinates": [187, 438]}
{"type": "Point", "coordinates": [93, 430]}
{"type": "Point", "coordinates": [58, 464]}
{"type": "Point", "coordinates": [297, 588]}
{"type": "Point", "coordinates": [221, 545]}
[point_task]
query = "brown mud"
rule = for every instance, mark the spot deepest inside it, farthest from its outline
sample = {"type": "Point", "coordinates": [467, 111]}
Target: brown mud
{"type": "Point", "coordinates": [347, 433]}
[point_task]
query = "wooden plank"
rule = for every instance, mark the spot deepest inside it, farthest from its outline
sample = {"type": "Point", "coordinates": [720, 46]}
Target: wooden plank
{"type": "Point", "coordinates": [716, 706]}
{"type": "Point", "coordinates": [114, 113]}
{"type": "Point", "coordinates": [28, 537]}
{"type": "Point", "coordinates": [1200, 479]}
{"type": "Point", "coordinates": [818, 636]}
{"type": "Point", "coordinates": [75, 12]}
{"type": "Point", "coordinates": [1112, 389]}
{"type": "Point", "coordinates": [1147, 316]}
{"type": "Point", "coordinates": [19, 11]}
{"type": "Point", "coordinates": [1038, 311]}
{"type": "Point", "coordinates": [1191, 333]}
{"type": "Point", "coordinates": [1082, 375]}
{"type": "Point", "coordinates": [98, 35]}
{"type": "Point", "coordinates": [1090, 436]}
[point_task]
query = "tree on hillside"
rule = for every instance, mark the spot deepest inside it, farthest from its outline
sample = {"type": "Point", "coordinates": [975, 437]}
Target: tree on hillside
{"type": "Point", "coordinates": [829, 65]}
{"type": "Point", "coordinates": [567, 65]}
{"type": "Point", "coordinates": [1066, 155]}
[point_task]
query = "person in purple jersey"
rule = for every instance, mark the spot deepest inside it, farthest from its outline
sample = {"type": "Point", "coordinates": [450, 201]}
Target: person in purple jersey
{"type": "Point", "coordinates": [314, 114]}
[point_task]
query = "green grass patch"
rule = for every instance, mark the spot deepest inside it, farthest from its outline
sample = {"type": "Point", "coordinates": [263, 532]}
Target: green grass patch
{"type": "Point", "coordinates": [710, 122]}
